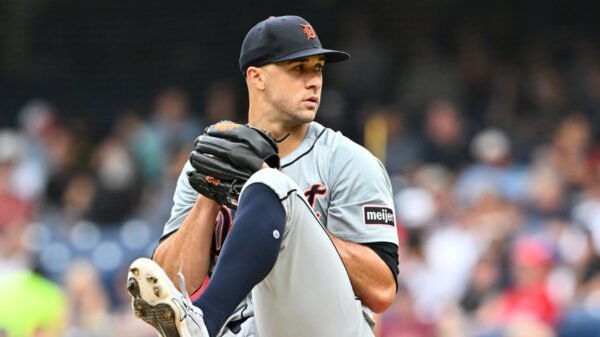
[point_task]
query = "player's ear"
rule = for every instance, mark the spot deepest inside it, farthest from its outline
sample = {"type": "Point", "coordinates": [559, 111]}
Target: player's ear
{"type": "Point", "coordinates": [256, 78]}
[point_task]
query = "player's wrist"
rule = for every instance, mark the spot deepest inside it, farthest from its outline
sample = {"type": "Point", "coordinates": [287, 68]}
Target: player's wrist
{"type": "Point", "coordinates": [207, 203]}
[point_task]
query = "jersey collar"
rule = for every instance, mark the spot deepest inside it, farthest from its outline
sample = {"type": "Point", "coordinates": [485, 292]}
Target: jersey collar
{"type": "Point", "coordinates": [312, 134]}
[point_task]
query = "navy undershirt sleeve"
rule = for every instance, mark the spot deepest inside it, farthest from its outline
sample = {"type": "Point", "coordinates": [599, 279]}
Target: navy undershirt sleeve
{"type": "Point", "coordinates": [248, 254]}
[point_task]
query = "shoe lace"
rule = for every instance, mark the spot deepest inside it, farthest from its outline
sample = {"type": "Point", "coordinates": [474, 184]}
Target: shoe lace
{"type": "Point", "coordinates": [187, 302]}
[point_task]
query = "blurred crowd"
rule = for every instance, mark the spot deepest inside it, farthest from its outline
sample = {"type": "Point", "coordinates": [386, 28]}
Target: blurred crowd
{"type": "Point", "coordinates": [496, 176]}
{"type": "Point", "coordinates": [495, 165]}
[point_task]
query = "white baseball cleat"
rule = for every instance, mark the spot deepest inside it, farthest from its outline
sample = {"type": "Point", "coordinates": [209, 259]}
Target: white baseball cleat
{"type": "Point", "coordinates": [160, 304]}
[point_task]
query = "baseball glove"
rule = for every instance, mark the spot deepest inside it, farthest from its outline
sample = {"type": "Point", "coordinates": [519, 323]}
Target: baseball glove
{"type": "Point", "coordinates": [225, 156]}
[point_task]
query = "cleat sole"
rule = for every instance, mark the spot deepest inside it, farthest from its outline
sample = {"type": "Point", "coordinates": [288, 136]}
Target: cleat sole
{"type": "Point", "coordinates": [160, 316]}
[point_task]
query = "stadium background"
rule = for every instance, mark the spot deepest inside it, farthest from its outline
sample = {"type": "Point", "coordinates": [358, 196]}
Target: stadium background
{"type": "Point", "coordinates": [486, 116]}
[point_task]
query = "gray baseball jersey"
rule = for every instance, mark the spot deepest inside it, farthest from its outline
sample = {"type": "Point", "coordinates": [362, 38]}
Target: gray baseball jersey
{"type": "Point", "coordinates": [345, 184]}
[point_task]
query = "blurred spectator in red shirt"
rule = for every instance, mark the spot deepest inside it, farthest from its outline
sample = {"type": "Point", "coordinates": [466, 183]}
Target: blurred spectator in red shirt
{"type": "Point", "coordinates": [528, 297]}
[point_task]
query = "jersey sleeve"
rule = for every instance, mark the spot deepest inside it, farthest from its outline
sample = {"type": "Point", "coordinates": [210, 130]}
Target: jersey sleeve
{"type": "Point", "coordinates": [183, 201]}
{"type": "Point", "coordinates": [361, 207]}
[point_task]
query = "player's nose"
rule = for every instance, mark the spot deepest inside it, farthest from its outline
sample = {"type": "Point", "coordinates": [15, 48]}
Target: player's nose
{"type": "Point", "coordinates": [314, 80]}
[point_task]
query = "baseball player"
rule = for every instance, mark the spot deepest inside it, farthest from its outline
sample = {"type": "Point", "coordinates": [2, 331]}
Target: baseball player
{"type": "Point", "coordinates": [282, 61]}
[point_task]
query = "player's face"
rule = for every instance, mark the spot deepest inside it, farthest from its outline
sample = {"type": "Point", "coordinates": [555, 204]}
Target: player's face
{"type": "Point", "coordinates": [293, 88]}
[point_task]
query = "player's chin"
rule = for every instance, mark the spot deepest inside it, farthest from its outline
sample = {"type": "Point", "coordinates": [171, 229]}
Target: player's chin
{"type": "Point", "coordinates": [305, 117]}
{"type": "Point", "coordinates": [307, 114]}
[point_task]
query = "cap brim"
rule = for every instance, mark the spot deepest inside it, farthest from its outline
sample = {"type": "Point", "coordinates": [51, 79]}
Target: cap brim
{"type": "Point", "coordinates": [331, 56]}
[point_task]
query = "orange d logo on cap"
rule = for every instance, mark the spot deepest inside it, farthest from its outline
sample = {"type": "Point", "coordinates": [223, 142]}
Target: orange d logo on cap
{"type": "Point", "coordinates": [309, 31]}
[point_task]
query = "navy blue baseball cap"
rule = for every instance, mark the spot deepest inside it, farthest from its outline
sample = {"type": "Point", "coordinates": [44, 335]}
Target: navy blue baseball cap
{"type": "Point", "coordinates": [283, 38]}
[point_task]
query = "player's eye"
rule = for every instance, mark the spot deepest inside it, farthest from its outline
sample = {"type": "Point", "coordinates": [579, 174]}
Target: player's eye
{"type": "Point", "coordinates": [299, 67]}
{"type": "Point", "coordinates": [319, 67]}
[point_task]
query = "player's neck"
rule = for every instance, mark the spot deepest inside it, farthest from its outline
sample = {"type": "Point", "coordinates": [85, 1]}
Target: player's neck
{"type": "Point", "coordinates": [289, 137]}
{"type": "Point", "coordinates": [292, 140]}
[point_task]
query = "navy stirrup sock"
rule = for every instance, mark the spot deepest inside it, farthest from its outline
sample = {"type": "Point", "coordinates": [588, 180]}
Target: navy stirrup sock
{"type": "Point", "coordinates": [247, 257]}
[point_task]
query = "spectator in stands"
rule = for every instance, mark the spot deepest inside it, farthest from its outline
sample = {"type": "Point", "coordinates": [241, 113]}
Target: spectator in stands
{"type": "Point", "coordinates": [445, 139]}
